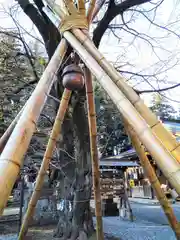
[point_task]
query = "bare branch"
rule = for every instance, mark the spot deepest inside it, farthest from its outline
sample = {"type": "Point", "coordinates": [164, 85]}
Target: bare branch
{"type": "Point", "coordinates": [158, 90]}
{"type": "Point", "coordinates": [112, 11]}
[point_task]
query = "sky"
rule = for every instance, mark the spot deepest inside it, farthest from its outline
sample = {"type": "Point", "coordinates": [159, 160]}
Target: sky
{"type": "Point", "coordinates": [140, 56]}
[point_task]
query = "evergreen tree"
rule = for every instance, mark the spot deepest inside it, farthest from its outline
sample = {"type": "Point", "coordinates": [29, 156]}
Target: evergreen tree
{"type": "Point", "coordinates": [162, 107]}
{"type": "Point", "coordinates": [14, 73]}
{"type": "Point", "coordinates": [112, 138]}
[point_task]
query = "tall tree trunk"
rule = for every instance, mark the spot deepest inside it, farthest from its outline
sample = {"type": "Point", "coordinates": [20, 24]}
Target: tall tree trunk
{"type": "Point", "coordinates": [77, 174]}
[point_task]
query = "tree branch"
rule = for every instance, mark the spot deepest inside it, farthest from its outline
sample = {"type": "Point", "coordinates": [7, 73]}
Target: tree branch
{"type": "Point", "coordinates": [24, 86]}
{"type": "Point", "coordinates": [48, 32]}
{"type": "Point", "coordinates": [112, 11]}
{"type": "Point", "coordinates": [158, 90]}
{"type": "Point", "coordinates": [35, 17]}
{"type": "Point", "coordinates": [26, 50]}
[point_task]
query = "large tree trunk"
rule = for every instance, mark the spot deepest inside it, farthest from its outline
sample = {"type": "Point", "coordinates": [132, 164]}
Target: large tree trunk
{"type": "Point", "coordinates": [82, 222]}
{"type": "Point", "coordinates": [77, 182]}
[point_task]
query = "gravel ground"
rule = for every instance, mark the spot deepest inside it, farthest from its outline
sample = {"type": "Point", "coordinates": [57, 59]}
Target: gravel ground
{"type": "Point", "coordinates": [37, 233]}
{"type": "Point", "coordinates": [114, 226]}
{"type": "Point", "coordinates": [139, 230]}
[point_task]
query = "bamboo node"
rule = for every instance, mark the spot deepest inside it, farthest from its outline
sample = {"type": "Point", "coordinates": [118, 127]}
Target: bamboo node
{"type": "Point", "coordinates": [12, 161]}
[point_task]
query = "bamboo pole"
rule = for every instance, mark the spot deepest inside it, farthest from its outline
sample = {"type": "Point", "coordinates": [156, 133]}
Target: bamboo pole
{"type": "Point", "coordinates": [93, 134]}
{"type": "Point", "coordinates": [81, 6]}
{"type": "Point", "coordinates": [168, 140]}
{"type": "Point", "coordinates": [97, 8]}
{"type": "Point", "coordinates": [16, 147]}
{"type": "Point", "coordinates": [166, 206]}
{"type": "Point", "coordinates": [91, 10]}
{"type": "Point", "coordinates": [45, 163]}
{"type": "Point", "coordinates": [9, 130]}
{"type": "Point", "coordinates": [94, 153]}
{"type": "Point", "coordinates": [169, 165]}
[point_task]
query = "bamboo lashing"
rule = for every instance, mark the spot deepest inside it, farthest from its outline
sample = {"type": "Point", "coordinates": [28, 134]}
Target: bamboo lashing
{"type": "Point", "coordinates": [16, 147]}
{"type": "Point", "coordinates": [81, 6]}
{"type": "Point", "coordinates": [94, 153]}
{"type": "Point", "coordinates": [169, 165]}
{"type": "Point", "coordinates": [45, 163]}
{"type": "Point", "coordinates": [75, 19]}
{"type": "Point", "coordinates": [145, 163]}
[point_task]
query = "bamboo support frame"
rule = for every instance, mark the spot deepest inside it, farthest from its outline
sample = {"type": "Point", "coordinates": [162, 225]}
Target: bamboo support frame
{"type": "Point", "coordinates": [145, 163]}
{"type": "Point", "coordinates": [169, 165]}
{"type": "Point", "coordinates": [45, 163]}
{"type": "Point", "coordinates": [94, 153]}
{"type": "Point", "coordinates": [167, 139]}
{"type": "Point", "coordinates": [16, 147]}
{"type": "Point", "coordinates": [132, 109]}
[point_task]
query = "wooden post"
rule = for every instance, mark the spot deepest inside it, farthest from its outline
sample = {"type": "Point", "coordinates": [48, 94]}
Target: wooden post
{"type": "Point", "coordinates": [94, 153]}
{"type": "Point", "coordinates": [16, 147]}
{"type": "Point", "coordinates": [45, 163]}
{"type": "Point", "coordinates": [154, 181]}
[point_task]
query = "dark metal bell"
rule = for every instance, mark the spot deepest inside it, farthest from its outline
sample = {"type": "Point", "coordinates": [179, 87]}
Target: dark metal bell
{"type": "Point", "coordinates": [73, 77]}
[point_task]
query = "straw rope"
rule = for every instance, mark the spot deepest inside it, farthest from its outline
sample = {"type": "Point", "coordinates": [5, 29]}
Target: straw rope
{"type": "Point", "coordinates": [75, 19]}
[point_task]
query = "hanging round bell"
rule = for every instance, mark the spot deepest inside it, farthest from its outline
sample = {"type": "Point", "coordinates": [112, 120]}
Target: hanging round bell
{"type": "Point", "coordinates": [73, 77]}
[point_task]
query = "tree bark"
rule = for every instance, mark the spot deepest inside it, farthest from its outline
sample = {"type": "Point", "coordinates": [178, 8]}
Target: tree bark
{"type": "Point", "coordinates": [77, 186]}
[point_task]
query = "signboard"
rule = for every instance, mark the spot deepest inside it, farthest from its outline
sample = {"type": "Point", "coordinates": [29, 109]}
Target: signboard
{"type": "Point", "coordinates": [131, 183]}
